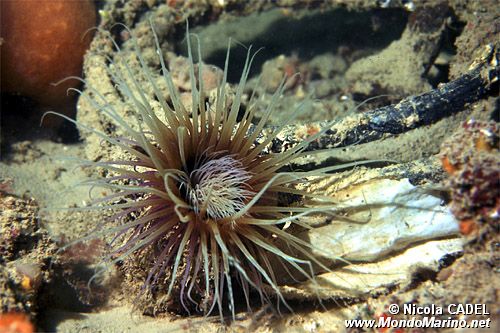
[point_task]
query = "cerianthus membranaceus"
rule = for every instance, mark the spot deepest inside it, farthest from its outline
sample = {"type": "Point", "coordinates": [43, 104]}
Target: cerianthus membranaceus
{"type": "Point", "coordinates": [199, 196]}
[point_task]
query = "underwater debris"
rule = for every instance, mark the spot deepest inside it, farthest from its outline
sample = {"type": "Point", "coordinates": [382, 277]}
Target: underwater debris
{"type": "Point", "coordinates": [401, 229]}
{"type": "Point", "coordinates": [414, 111]}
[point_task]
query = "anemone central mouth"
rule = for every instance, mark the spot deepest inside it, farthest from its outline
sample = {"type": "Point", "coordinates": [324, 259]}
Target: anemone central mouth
{"type": "Point", "coordinates": [218, 188]}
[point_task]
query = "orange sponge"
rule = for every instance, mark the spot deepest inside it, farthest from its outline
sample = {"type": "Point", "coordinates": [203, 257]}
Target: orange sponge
{"type": "Point", "coordinates": [15, 323]}
{"type": "Point", "coordinates": [43, 42]}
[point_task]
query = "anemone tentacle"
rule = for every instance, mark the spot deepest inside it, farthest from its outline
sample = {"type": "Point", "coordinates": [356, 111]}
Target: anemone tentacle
{"type": "Point", "coordinates": [198, 195]}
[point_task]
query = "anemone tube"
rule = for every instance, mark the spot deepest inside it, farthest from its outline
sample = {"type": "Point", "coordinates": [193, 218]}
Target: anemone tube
{"type": "Point", "coordinates": [200, 191]}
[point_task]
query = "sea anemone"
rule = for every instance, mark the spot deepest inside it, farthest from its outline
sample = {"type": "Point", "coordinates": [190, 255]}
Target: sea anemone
{"type": "Point", "coordinates": [202, 202]}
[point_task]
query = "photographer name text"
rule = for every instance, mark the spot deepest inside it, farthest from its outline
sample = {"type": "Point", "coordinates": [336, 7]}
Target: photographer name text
{"type": "Point", "coordinates": [451, 309]}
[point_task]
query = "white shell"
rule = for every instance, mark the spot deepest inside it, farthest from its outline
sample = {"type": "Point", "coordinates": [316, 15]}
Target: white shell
{"type": "Point", "coordinates": [402, 229]}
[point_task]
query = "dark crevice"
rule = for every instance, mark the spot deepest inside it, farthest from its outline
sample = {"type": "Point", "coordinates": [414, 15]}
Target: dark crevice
{"type": "Point", "coordinates": [306, 35]}
{"type": "Point", "coordinates": [453, 29]}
